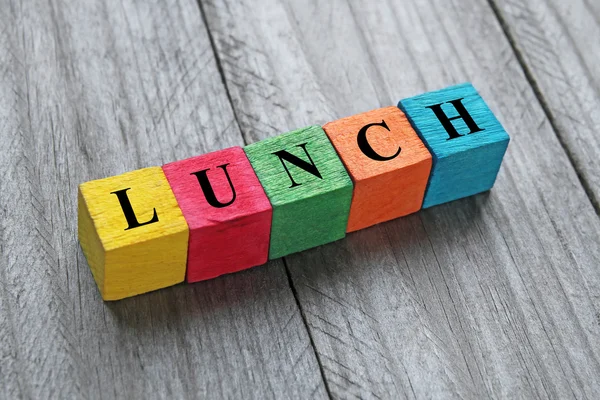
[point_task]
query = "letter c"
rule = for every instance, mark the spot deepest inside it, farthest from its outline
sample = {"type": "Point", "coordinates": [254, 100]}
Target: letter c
{"type": "Point", "coordinates": [365, 147]}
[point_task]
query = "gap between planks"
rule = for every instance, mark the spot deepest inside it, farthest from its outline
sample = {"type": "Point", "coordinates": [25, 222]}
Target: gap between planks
{"type": "Point", "coordinates": [285, 264]}
{"type": "Point", "coordinates": [544, 104]}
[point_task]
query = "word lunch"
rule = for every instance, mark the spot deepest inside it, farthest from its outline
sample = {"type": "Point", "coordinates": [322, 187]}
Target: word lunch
{"type": "Point", "coordinates": [236, 208]}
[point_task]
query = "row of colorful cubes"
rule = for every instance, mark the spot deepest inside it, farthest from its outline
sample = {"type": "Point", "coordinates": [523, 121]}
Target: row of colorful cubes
{"type": "Point", "coordinates": [236, 208]}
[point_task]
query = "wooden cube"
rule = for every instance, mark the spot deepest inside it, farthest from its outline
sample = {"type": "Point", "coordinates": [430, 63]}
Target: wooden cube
{"type": "Point", "coordinates": [132, 232]}
{"type": "Point", "coordinates": [388, 163]}
{"type": "Point", "coordinates": [308, 187]}
{"type": "Point", "coordinates": [227, 211]}
{"type": "Point", "coordinates": [464, 137]}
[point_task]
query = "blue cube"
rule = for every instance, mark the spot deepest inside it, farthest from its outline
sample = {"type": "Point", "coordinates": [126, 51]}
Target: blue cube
{"type": "Point", "coordinates": [465, 139]}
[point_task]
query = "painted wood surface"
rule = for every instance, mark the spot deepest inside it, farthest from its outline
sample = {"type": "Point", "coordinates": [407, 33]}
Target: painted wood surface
{"type": "Point", "coordinates": [557, 41]}
{"type": "Point", "coordinates": [93, 89]}
{"type": "Point", "coordinates": [227, 211]}
{"type": "Point", "coordinates": [464, 137]}
{"type": "Point", "coordinates": [387, 161]}
{"type": "Point", "coordinates": [308, 187]}
{"type": "Point", "coordinates": [494, 296]}
{"type": "Point", "coordinates": [132, 233]}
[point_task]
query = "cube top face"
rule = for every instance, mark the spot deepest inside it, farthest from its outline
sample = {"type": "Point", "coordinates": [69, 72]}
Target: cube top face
{"type": "Point", "coordinates": [133, 207]}
{"type": "Point", "coordinates": [453, 120]}
{"type": "Point", "coordinates": [376, 142]}
{"type": "Point", "coordinates": [216, 187]}
{"type": "Point", "coordinates": [285, 182]}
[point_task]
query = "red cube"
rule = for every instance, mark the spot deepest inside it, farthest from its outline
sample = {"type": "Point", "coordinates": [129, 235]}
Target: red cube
{"type": "Point", "coordinates": [227, 211]}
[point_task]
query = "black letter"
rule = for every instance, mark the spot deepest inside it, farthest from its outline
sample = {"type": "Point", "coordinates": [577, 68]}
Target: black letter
{"type": "Point", "coordinates": [462, 113]}
{"type": "Point", "coordinates": [366, 148]}
{"type": "Point", "coordinates": [298, 162]}
{"type": "Point", "coordinates": [209, 193]}
{"type": "Point", "coordinates": [128, 210]}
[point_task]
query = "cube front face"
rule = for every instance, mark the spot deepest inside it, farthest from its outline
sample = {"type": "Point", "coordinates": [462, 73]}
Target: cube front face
{"type": "Point", "coordinates": [466, 141]}
{"type": "Point", "coordinates": [132, 228]}
{"type": "Point", "coordinates": [387, 161]}
{"type": "Point", "coordinates": [227, 210]}
{"type": "Point", "coordinates": [90, 241]}
{"type": "Point", "coordinates": [308, 187]}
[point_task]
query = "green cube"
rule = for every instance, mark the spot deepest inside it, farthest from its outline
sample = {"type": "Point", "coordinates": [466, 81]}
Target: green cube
{"type": "Point", "coordinates": [308, 187]}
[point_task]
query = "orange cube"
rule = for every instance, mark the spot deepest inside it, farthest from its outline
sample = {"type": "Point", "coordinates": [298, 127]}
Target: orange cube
{"type": "Point", "coordinates": [387, 161]}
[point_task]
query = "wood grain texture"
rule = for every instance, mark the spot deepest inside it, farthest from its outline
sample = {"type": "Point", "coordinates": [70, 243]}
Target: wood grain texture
{"type": "Point", "coordinates": [558, 42]}
{"type": "Point", "coordinates": [226, 209]}
{"type": "Point", "coordinates": [308, 187]}
{"type": "Point", "coordinates": [92, 89]}
{"type": "Point", "coordinates": [136, 253]}
{"type": "Point", "coordinates": [389, 165]}
{"type": "Point", "coordinates": [464, 137]}
{"type": "Point", "coordinates": [492, 296]}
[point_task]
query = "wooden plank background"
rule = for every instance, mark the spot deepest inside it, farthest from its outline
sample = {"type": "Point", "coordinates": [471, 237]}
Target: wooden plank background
{"type": "Point", "coordinates": [496, 296]}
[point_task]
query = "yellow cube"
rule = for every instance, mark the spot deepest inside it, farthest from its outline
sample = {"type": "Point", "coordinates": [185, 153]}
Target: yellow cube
{"type": "Point", "coordinates": [132, 232]}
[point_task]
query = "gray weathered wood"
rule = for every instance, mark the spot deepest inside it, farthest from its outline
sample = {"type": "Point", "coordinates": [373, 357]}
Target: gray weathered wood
{"type": "Point", "coordinates": [492, 296]}
{"type": "Point", "coordinates": [91, 89]}
{"type": "Point", "coordinates": [498, 295]}
{"type": "Point", "coordinates": [559, 42]}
